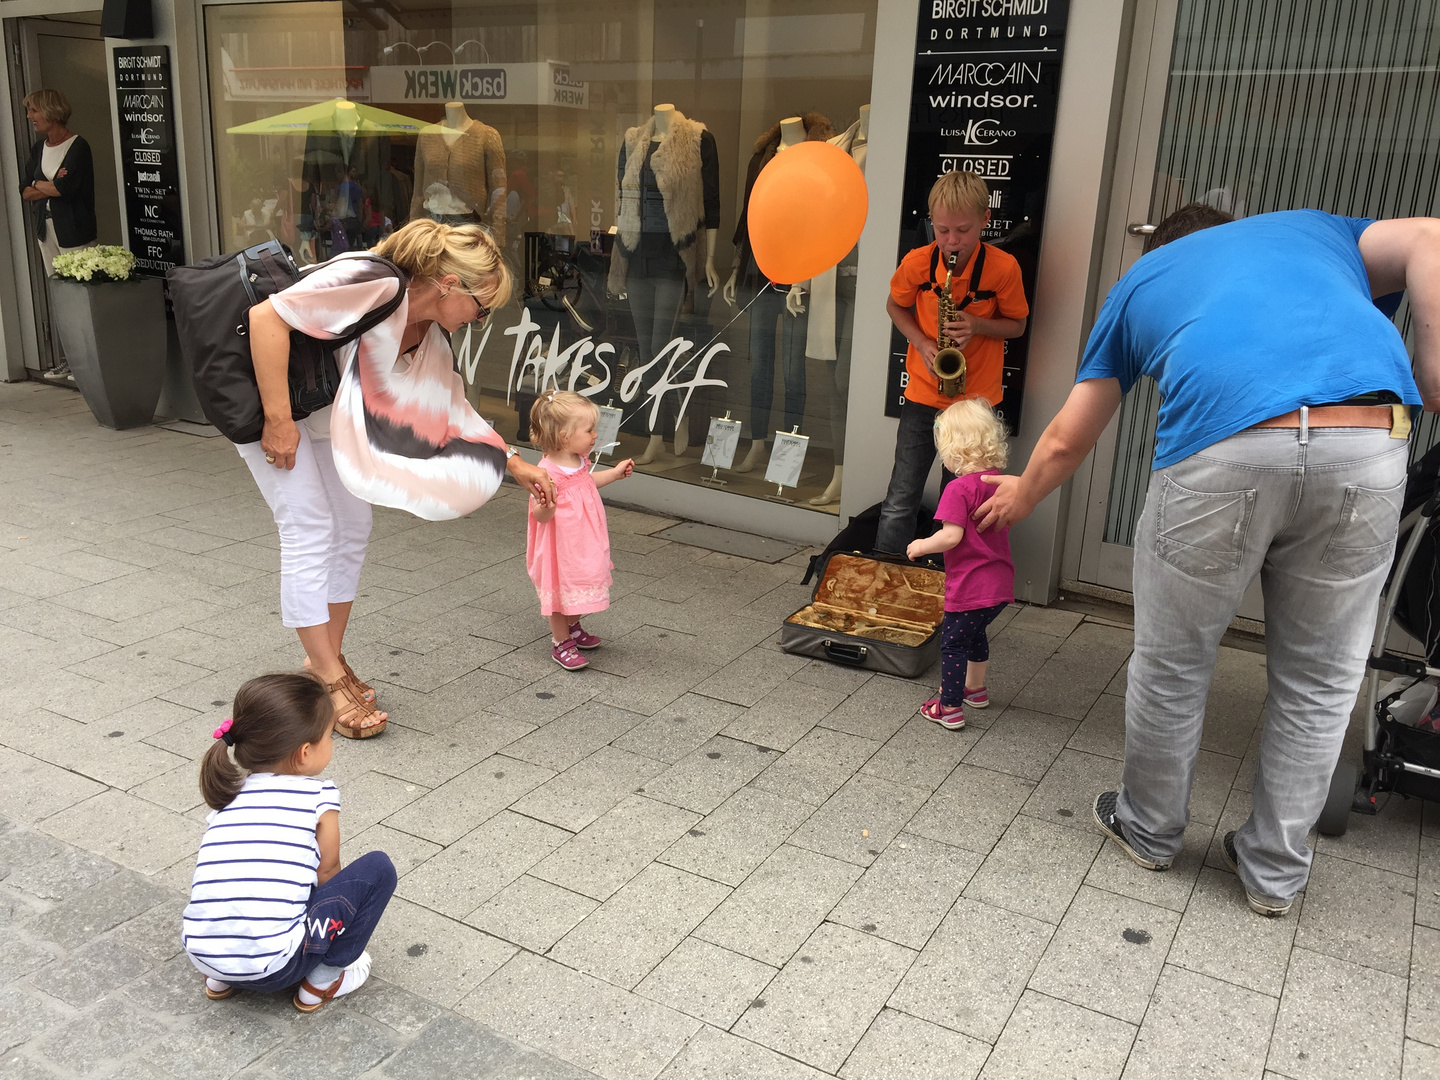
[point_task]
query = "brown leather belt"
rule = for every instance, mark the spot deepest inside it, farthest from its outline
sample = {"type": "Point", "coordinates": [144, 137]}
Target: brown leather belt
{"type": "Point", "coordinates": [1394, 417]}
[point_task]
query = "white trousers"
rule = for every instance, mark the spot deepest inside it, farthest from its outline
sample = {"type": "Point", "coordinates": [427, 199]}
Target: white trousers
{"type": "Point", "coordinates": [323, 529]}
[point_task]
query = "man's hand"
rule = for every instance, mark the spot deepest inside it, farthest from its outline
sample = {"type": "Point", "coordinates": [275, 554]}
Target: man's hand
{"type": "Point", "coordinates": [960, 330]}
{"type": "Point", "coordinates": [1006, 506]}
{"type": "Point", "coordinates": [927, 349]}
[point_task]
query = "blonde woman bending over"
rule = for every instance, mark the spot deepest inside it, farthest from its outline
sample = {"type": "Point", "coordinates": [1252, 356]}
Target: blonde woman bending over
{"type": "Point", "coordinates": [400, 432]}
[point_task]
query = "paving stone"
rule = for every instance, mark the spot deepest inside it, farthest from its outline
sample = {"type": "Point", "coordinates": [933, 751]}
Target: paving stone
{"type": "Point", "coordinates": [1022, 743]}
{"type": "Point", "coordinates": [472, 798]}
{"type": "Point", "coordinates": [584, 1020]}
{"type": "Point", "coordinates": [716, 1055]}
{"type": "Point", "coordinates": [534, 914]}
{"type": "Point", "coordinates": [899, 1044]}
{"type": "Point", "coordinates": [833, 676]}
{"type": "Point", "coordinates": [574, 736]}
{"type": "Point", "coordinates": [34, 789]}
{"type": "Point", "coordinates": [907, 891]}
{"type": "Point", "coordinates": [23, 1017]}
{"type": "Point", "coordinates": [18, 1067]}
{"type": "Point", "coordinates": [1102, 732]}
{"type": "Point", "coordinates": [825, 998]}
{"type": "Point", "coordinates": [1216, 1028]}
{"type": "Point", "coordinates": [62, 875]}
{"type": "Point", "coordinates": [19, 957]}
{"type": "Point", "coordinates": [111, 1030]}
{"type": "Point", "coordinates": [817, 766]}
{"type": "Point", "coordinates": [1390, 840]}
{"type": "Point", "coordinates": [972, 808]}
{"type": "Point", "coordinates": [91, 973]}
{"type": "Point", "coordinates": [748, 678]}
{"type": "Point", "coordinates": [1116, 872]}
{"type": "Point", "coordinates": [1053, 621]}
{"type": "Point", "coordinates": [784, 714]}
{"type": "Point", "coordinates": [1377, 933]}
{"type": "Point", "coordinates": [428, 761]}
{"type": "Point", "coordinates": [712, 773]}
{"type": "Point", "coordinates": [97, 909]}
{"type": "Point", "coordinates": [678, 728]}
{"type": "Point", "coordinates": [706, 981]}
{"type": "Point", "coordinates": [478, 865]}
{"type": "Point", "coordinates": [629, 934]}
{"type": "Point", "coordinates": [1421, 1061]}
{"type": "Point", "coordinates": [351, 1047]}
{"type": "Point", "coordinates": [1035, 869]}
{"type": "Point", "coordinates": [405, 851]}
{"type": "Point", "coordinates": [921, 754]}
{"type": "Point", "coordinates": [616, 847]}
{"type": "Point", "coordinates": [1421, 1021]}
{"type": "Point", "coordinates": [430, 955]}
{"type": "Point", "coordinates": [1316, 1039]}
{"type": "Point", "coordinates": [172, 988]}
{"type": "Point", "coordinates": [589, 788]}
{"type": "Point", "coordinates": [22, 847]}
{"type": "Point", "coordinates": [1107, 954]}
{"type": "Point", "coordinates": [372, 797]}
{"type": "Point", "coordinates": [1067, 792]}
{"type": "Point", "coordinates": [879, 708]}
{"type": "Point", "coordinates": [860, 820]}
{"type": "Point", "coordinates": [1016, 654]}
{"type": "Point", "coordinates": [455, 1049]}
{"type": "Point", "coordinates": [1427, 891]}
{"type": "Point", "coordinates": [738, 836]}
{"type": "Point", "coordinates": [1046, 1037]}
{"type": "Point", "coordinates": [1216, 938]}
{"type": "Point", "coordinates": [779, 905]}
{"type": "Point", "coordinates": [974, 969]}
{"type": "Point", "coordinates": [130, 831]}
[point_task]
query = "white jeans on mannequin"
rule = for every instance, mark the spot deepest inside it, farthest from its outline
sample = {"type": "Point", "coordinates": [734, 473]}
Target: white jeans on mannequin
{"type": "Point", "coordinates": [324, 529]}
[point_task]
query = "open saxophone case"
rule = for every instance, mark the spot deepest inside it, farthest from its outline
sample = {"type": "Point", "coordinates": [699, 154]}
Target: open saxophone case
{"type": "Point", "coordinates": [874, 613]}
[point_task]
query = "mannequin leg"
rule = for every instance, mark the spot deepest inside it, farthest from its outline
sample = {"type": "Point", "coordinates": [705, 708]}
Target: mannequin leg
{"type": "Point", "coordinates": [763, 313]}
{"type": "Point", "coordinates": [793, 329]}
{"type": "Point", "coordinates": [839, 384]}
{"type": "Point", "coordinates": [753, 457]}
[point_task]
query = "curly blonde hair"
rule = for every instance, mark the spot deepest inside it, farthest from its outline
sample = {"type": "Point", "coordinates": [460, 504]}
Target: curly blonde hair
{"type": "Point", "coordinates": [555, 415]}
{"type": "Point", "coordinates": [432, 249]}
{"type": "Point", "coordinates": [970, 437]}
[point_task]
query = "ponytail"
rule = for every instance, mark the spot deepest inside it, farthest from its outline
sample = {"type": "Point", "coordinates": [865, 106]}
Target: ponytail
{"type": "Point", "coordinates": [429, 249]}
{"type": "Point", "coordinates": [274, 716]}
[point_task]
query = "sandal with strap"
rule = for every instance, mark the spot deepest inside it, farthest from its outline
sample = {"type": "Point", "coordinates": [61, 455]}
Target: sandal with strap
{"type": "Point", "coordinates": [366, 690]}
{"type": "Point", "coordinates": [324, 995]}
{"type": "Point", "coordinates": [352, 710]}
{"type": "Point", "coordinates": [216, 995]}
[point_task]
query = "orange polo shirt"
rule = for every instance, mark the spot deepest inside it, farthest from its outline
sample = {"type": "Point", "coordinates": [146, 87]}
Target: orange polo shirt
{"type": "Point", "coordinates": [984, 356]}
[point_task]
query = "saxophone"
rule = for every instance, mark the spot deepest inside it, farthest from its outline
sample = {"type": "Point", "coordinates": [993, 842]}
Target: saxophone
{"type": "Point", "coordinates": [949, 361]}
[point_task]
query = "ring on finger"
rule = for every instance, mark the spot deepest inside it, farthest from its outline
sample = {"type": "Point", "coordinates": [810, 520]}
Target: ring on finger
{"type": "Point", "coordinates": [270, 458]}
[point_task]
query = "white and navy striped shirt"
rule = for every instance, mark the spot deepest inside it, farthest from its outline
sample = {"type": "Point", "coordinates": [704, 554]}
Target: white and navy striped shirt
{"type": "Point", "coordinates": [254, 876]}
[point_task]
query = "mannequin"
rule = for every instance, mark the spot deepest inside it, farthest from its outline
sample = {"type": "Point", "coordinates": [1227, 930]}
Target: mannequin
{"type": "Point", "coordinates": [832, 319]}
{"type": "Point", "coordinates": [668, 180]}
{"type": "Point", "coordinates": [460, 173]}
{"type": "Point", "coordinates": [347, 168]}
{"type": "Point", "coordinates": [766, 307]}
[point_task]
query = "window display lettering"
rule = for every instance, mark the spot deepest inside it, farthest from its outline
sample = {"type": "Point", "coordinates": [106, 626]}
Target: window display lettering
{"type": "Point", "coordinates": [547, 83]}
{"type": "Point", "coordinates": [149, 159]}
{"type": "Point", "coordinates": [983, 98]}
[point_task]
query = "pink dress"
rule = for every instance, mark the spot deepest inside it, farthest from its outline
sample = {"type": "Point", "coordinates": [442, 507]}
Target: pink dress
{"type": "Point", "coordinates": [569, 556]}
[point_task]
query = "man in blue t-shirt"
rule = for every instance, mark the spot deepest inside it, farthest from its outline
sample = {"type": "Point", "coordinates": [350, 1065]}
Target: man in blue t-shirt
{"type": "Point", "coordinates": [1280, 451]}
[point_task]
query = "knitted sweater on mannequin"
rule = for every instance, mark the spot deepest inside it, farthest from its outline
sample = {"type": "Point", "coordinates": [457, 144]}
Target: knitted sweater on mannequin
{"type": "Point", "coordinates": [471, 166]}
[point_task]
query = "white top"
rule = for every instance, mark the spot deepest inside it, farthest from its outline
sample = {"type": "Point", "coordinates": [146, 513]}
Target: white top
{"type": "Point", "coordinates": [254, 876]}
{"type": "Point", "coordinates": [52, 156]}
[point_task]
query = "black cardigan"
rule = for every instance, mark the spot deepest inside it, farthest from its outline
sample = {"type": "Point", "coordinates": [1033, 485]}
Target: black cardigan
{"type": "Point", "coordinates": [73, 213]}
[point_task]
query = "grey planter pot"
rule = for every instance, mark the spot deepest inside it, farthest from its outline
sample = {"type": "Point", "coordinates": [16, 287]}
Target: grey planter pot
{"type": "Point", "coordinates": [114, 339]}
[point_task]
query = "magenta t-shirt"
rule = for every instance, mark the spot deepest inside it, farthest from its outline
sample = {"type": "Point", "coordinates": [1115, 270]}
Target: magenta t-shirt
{"type": "Point", "coordinates": [978, 571]}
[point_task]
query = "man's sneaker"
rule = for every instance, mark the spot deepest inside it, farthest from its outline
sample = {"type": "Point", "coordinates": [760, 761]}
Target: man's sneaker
{"type": "Point", "coordinates": [58, 374]}
{"type": "Point", "coordinates": [1110, 826]}
{"type": "Point", "coordinates": [1268, 906]}
{"type": "Point", "coordinates": [952, 718]}
{"type": "Point", "coordinates": [978, 698]}
{"type": "Point", "coordinates": [582, 639]}
{"type": "Point", "coordinates": [568, 656]}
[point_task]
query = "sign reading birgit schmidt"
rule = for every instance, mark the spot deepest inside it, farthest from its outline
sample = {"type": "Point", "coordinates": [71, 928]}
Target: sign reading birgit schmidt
{"type": "Point", "coordinates": [987, 76]}
{"type": "Point", "coordinates": [150, 163]}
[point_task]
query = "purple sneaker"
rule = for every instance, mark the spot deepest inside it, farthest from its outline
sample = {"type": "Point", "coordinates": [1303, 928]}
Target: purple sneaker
{"type": "Point", "coordinates": [581, 638]}
{"type": "Point", "coordinates": [979, 698]}
{"type": "Point", "coordinates": [568, 656]}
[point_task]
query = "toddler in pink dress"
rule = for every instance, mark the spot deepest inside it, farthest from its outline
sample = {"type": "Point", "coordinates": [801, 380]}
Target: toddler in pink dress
{"type": "Point", "coordinates": [568, 552]}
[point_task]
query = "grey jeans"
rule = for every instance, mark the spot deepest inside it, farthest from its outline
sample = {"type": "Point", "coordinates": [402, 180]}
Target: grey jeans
{"type": "Point", "coordinates": [1316, 518]}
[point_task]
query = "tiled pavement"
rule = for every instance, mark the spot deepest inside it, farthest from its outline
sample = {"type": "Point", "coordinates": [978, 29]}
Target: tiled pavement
{"type": "Point", "coordinates": [701, 858]}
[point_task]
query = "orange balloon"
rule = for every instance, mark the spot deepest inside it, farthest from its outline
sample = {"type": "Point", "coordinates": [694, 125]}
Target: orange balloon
{"type": "Point", "coordinates": [806, 211]}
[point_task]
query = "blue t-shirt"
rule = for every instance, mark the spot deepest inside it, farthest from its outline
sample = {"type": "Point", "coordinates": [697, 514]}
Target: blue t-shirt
{"type": "Point", "coordinates": [1246, 321]}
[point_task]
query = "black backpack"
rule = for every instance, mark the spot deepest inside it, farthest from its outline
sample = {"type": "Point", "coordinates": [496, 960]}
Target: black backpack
{"type": "Point", "coordinates": [212, 301]}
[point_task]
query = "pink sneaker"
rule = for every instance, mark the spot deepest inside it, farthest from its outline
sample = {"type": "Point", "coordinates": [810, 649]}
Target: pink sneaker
{"type": "Point", "coordinates": [978, 698]}
{"type": "Point", "coordinates": [581, 638]}
{"type": "Point", "coordinates": [568, 656]}
{"type": "Point", "coordinates": [952, 719]}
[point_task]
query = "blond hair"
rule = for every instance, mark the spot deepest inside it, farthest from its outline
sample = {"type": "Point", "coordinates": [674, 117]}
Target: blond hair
{"type": "Point", "coordinates": [970, 437]}
{"type": "Point", "coordinates": [51, 104]}
{"type": "Point", "coordinates": [960, 192]}
{"type": "Point", "coordinates": [432, 249]}
{"type": "Point", "coordinates": [555, 415]}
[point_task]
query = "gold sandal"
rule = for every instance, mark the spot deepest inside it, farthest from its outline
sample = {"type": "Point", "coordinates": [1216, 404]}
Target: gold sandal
{"type": "Point", "coordinates": [353, 710]}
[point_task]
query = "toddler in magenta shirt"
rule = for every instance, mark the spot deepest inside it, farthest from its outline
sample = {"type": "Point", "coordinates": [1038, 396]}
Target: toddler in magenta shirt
{"type": "Point", "coordinates": [979, 574]}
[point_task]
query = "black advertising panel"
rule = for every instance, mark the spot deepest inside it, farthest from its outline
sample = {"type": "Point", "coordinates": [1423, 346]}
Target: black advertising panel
{"type": "Point", "coordinates": [987, 76]}
{"type": "Point", "coordinates": [150, 162]}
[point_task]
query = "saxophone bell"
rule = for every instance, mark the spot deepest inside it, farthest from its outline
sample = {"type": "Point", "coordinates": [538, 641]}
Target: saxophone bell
{"type": "Point", "coordinates": [949, 361]}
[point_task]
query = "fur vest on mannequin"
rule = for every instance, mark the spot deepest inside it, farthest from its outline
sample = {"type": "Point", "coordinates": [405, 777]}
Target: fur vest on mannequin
{"type": "Point", "coordinates": [817, 129]}
{"type": "Point", "coordinates": [676, 163]}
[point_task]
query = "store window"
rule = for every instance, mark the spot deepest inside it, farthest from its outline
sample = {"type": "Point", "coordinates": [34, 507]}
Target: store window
{"type": "Point", "coordinates": [609, 147]}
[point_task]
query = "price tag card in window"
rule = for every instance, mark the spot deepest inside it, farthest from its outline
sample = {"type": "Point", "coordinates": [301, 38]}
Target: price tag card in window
{"type": "Point", "coordinates": [607, 431]}
{"type": "Point", "coordinates": [721, 443]}
{"type": "Point", "coordinates": [786, 459]}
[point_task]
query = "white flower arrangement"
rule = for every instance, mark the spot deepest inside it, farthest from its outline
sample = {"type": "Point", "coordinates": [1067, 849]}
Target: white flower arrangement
{"type": "Point", "coordinates": [97, 264]}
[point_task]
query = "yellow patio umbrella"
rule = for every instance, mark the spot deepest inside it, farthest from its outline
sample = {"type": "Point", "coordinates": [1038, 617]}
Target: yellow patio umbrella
{"type": "Point", "coordinates": [329, 117]}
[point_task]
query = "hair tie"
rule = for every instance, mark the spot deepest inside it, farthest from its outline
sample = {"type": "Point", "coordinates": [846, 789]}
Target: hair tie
{"type": "Point", "coordinates": [223, 732]}
{"type": "Point", "coordinates": [550, 398]}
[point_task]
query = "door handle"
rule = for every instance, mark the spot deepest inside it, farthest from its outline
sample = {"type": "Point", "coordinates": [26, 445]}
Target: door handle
{"type": "Point", "coordinates": [1139, 228]}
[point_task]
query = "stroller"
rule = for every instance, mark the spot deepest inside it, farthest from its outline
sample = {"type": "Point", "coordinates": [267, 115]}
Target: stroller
{"type": "Point", "coordinates": [1400, 756]}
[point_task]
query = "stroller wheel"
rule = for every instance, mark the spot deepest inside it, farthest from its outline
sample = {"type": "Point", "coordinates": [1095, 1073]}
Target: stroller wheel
{"type": "Point", "coordinates": [1335, 818]}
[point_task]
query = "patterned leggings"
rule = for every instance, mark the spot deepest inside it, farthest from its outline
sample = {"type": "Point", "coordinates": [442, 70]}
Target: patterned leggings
{"type": "Point", "coordinates": [962, 641]}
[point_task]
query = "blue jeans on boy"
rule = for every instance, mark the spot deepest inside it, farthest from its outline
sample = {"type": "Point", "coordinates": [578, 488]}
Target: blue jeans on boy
{"type": "Point", "coordinates": [341, 916]}
{"type": "Point", "coordinates": [1315, 516]}
{"type": "Point", "coordinates": [962, 642]}
{"type": "Point", "coordinates": [914, 454]}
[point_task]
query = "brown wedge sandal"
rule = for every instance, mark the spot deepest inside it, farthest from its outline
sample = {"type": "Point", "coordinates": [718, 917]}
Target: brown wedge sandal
{"type": "Point", "coordinates": [366, 690]}
{"type": "Point", "coordinates": [352, 710]}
